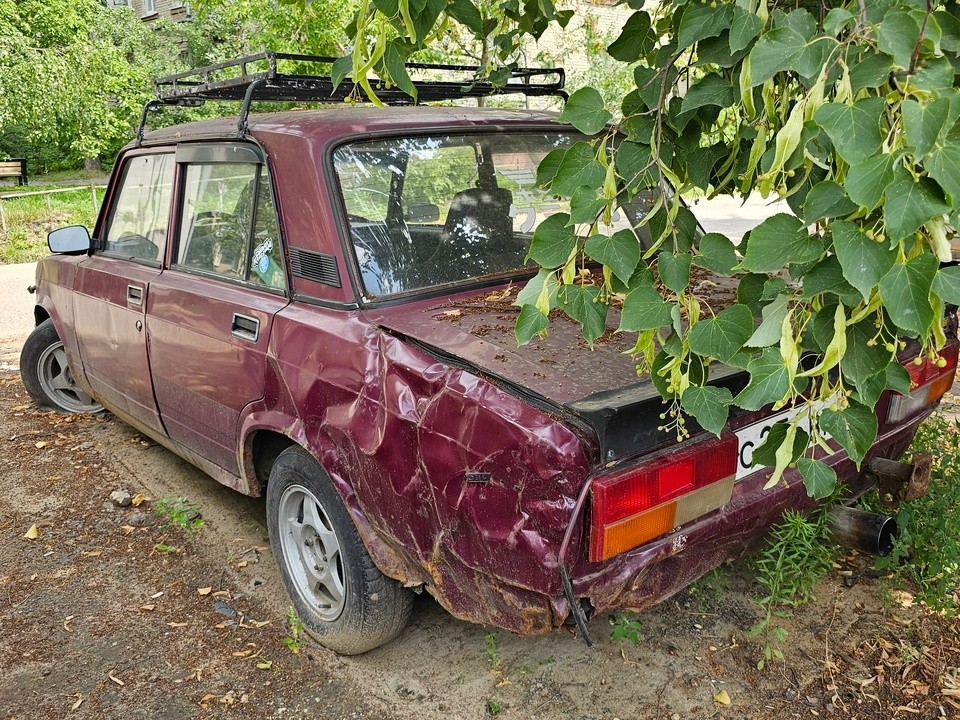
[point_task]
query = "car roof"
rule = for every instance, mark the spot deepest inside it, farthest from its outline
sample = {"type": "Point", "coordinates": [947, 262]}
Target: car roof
{"type": "Point", "coordinates": [331, 123]}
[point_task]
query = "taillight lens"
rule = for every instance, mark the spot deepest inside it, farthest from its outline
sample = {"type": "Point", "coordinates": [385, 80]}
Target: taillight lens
{"type": "Point", "coordinates": [635, 506]}
{"type": "Point", "coordinates": [928, 383]}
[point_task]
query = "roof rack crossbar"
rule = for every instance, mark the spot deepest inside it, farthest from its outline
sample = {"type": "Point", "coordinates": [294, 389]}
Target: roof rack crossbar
{"type": "Point", "coordinates": [256, 78]}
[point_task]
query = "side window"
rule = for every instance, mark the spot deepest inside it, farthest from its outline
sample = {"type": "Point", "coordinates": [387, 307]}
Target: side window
{"type": "Point", "coordinates": [140, 215]}
{"type": "Point", "coordinates": [229, 226]}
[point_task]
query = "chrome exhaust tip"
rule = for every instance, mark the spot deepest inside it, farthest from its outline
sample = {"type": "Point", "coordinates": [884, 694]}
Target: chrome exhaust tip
{"type": "Point", "coordinates": [862, 530]}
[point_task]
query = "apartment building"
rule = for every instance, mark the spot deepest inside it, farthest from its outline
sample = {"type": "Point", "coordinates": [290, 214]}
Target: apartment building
{"type": "Point", "coordinates": [149, 10]}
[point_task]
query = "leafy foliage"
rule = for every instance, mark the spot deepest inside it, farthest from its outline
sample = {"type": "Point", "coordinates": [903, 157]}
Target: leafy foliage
{"type": "Point", "coordinates": [847, 109]}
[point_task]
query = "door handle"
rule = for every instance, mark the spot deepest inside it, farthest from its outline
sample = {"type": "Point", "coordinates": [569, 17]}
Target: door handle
{"type": "Point", "coordinates": [134, 295]}
{"type": "Point", "coordinates": [245, 327]}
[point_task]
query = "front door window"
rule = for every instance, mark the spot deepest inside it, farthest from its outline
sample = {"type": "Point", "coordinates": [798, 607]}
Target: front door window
{"type": "Point", "coordinates": [137, 228]}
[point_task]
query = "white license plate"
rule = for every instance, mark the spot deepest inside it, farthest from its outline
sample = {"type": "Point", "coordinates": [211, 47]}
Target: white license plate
{"type": "Point", "coordinates": [753, 436]}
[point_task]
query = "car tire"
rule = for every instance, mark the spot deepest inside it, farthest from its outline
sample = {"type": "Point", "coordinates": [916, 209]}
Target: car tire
{"type": "Point", "coordinates": [342, 598]}
{"type": "Point", "coordinates": [47, 376]}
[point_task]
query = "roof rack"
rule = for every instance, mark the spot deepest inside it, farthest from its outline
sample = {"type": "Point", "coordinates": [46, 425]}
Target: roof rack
{"type": "Point", "coordinates": [256, 78]}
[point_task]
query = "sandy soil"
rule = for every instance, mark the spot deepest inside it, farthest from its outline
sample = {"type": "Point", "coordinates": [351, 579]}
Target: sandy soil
{"type": "Point", "coordinates": [114, 612]}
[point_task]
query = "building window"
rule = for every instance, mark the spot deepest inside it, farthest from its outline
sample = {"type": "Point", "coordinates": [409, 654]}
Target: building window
{"type": "Point", "coordinates": [149, 7]}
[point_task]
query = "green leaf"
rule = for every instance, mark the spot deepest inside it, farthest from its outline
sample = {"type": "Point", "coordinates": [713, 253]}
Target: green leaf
{"type": "Point", "coordinates": [854, 427]}
{"type": "Point", "coordinates": [702, 21]}
{"type": "Point", "coordinates": [777, 242]}
{"type": "Point", "coordinates": [531, 323]}
{"type": "Point", "coordinates": [862, 360]}
{"type": "Point", "coordinates": [584, 110]}
{"type": "Point", "coordinates": [717, 253]}
{"type": "Point", "coordinates": [766, 454]}
{"type": "Point", "coordinates": [723, 335]}
{"type": "Point", "coordinates": [935, 75]}
{"type": "Point", "coordinates": [909, 205]}
{"type": "Point", "coordinates": [636, 39]}
{"type": "Point", "coordinates": [769, 381]}
{"type": "Point", "coordinates": [826, 277]}
{"type": "Point", "coordinates": [684, 225]}
{"type": "Point", "coordinates": [923, 123]}
{"type": "Point", "coordinates": [674, 270]}
{"type": "Point", "coordinates": [547, 169]}
{"type": "Point", "coordinates": [771, 326]}
{"type": "Point", "coordinates": [868, 180]}
{"type": "Point", "coordinates": [897, 36]}
{"type": "Point", "coordinates": [708, 404]}
{"type": "Point", "coordinates": [532, 290]}
{"type": "Point", "coordinates": [465, 12]}
{"type": "Point", "coordinates": [340, 69]}
{"type": "Point", "coordinates": [634, 165]}
{"type": "Point", "coordinates": [585, 205]}
{"type": "Point", "coordinates": [905, 291]}
{"type": "Point", "coordinates": [864, 261]}
{"type": "Point", "coordinates": [871, 72]}
{"type": "Point", "coordinates": [819, 479]}
{"type": "Point", "coordinates": [744, 27]}
{"type": "Point", "coordinates": [780, 49]}
{"type": "Point", "coordinates": [644, 309]}
{"type": "Point", "coordinates": [578, 167]}
{"type": "Point", "coordinates": [836, 20]}
{"type": "Point", "coordinates": [620, 252]}
{"type": "Point", "coordinates": [826, 200]}
{"type": "Point", "coordinates": [946, 284]}
{"type": "Point", "coordinates": [583, 305]}
{"type": "Point", "coordinates": [553, 241]}
{"type": "Point", "coordinates": [854, 130]}
{"type": "Point", "coordinates": [712, 89]}
{"type": "Point", "coordinates": [750, 290]}
{"type": "Point", "coordinates": [943, 165]}
{"type": "Point", "coordinates": [394, 60]}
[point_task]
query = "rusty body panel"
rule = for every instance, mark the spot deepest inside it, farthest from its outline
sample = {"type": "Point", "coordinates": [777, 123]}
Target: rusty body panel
{"type": "Point", "coordinates": [462, 460]}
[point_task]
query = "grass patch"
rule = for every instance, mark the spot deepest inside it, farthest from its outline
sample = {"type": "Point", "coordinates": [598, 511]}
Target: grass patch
{"type": "Point", "coordinates": [29, 219]}
{"type": "Point", "coordinates": [926, 554]}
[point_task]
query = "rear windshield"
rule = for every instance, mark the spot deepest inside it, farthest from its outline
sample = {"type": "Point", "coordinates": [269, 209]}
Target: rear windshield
{"type": "Point", "coordinates": [442, 209]}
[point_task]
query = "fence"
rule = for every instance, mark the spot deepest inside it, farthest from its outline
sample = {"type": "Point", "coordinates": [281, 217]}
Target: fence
{"type": "Point", "coordinates": [10, 196]}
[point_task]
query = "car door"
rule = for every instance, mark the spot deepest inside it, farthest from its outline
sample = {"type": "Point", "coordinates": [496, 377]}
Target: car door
{"type": "Point", "coordinates": [209, 316]}
{"type": "Point", "coordinates": [112, 286]}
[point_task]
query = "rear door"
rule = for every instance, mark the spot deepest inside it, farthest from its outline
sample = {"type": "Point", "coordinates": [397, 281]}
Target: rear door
{"type": "Point", "coordinates": [113, 284]}
{"type": "Point", "coordinates": [209, 316]}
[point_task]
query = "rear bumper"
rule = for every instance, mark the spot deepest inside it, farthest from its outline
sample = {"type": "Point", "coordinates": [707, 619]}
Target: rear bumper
{"type": "Point", "coordinates": [653, 572]}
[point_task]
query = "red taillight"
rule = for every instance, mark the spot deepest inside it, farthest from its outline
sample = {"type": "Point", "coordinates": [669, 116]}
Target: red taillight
{"type": "Point", "coordinates": [928, 369]}
{"type": "Point", "coordinates": [928, 383]}
{"type": "Point", "coordinates": [634, 506]}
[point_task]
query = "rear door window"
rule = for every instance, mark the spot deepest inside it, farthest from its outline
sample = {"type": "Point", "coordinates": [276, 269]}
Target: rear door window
{"type": "Point", "coordinates": [228, 225]}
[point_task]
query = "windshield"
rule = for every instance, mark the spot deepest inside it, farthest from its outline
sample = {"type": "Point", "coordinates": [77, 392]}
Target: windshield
{"type": "Point", "coordinates": [434, 210]}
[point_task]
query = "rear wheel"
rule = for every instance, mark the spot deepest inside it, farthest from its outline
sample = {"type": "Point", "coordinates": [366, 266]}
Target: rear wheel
{"type": "Point", "coordinates": [344, 601]}
{"type": "Point", "coordinates": [46, 374]}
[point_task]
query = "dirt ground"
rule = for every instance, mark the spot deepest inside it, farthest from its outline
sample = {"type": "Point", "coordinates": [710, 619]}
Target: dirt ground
{"type": "Point", "coordinates": [116, 612]}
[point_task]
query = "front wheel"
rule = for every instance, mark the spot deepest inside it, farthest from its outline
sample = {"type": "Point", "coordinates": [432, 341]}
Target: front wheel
{"type": "Point", "coordinates": [344, 601]}
{"type": "Point", "coordinates": [46, 374]}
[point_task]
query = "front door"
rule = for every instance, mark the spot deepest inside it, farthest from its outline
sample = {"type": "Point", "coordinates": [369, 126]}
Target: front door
{"type": "Point", "coordinates": [209, 316]}
{"type": "Point", "coordinates": [113, 287]}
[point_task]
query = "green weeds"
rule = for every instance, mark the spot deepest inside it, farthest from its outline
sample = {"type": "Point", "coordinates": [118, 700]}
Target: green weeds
{"type": "Point", "coordinates": [294, 638]}
{"type": "Point", "coordinates": [179, 511]}
{"type": "Point", "coordinates": [493, 653]}
{"type": "Point", "coordinates": [625, 628]}
{"type": "Point", "coordinates": [797, 555]}
{"type": "Point", "coordinates": [926, 554]}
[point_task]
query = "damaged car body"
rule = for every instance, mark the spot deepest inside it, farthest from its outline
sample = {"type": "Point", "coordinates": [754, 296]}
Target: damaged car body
{"type": "Point", "coordinates": [322, 311]}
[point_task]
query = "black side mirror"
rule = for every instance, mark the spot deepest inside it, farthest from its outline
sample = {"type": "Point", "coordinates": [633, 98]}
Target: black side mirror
{"type": "Point", "coordinates": [70, 240]}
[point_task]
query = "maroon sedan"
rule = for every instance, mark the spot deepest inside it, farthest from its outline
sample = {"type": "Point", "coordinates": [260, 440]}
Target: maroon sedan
{"type": "Point", "coordinates": [322, 311]}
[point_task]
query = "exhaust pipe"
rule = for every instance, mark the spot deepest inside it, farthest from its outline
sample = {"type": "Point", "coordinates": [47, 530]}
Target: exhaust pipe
{"type": "Point", "coordinates": [862, 530]}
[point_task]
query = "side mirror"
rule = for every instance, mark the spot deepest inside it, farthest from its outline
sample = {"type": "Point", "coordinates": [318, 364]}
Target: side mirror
{"type": "Point", "coordinates": [423, 213]}
{"type": "Point", "coordinates": [69, 240]}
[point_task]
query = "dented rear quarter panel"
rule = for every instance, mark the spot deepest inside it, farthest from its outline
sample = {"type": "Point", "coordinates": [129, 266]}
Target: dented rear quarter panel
{"type": "Point", "coordinates": [398, 431]}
